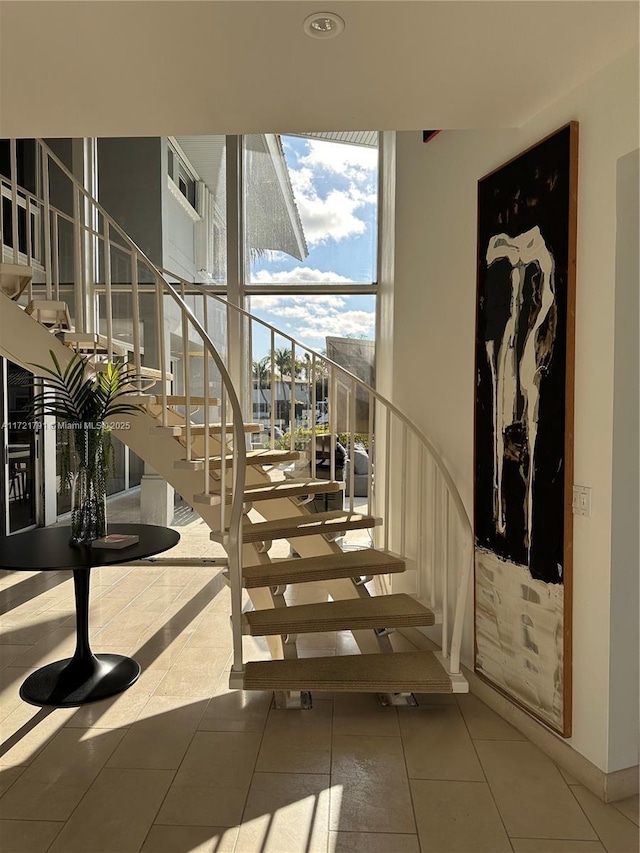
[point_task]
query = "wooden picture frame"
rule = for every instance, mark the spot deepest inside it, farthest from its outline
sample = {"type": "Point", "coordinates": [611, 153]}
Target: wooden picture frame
{"type": "Point", "coordinates": [523, 426]}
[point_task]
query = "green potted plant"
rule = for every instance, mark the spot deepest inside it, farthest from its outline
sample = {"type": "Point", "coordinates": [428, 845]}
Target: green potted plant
{"type": "Point", "coordinates": [81, 398]}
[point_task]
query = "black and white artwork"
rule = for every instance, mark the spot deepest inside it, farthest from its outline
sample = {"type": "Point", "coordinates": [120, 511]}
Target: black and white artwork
{"type": "Point", "coordinates": [523, 425]}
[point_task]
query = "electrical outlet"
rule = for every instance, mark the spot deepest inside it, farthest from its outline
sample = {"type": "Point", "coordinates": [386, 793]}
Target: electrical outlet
{"type": "Point", "coordinates": [582, 500]}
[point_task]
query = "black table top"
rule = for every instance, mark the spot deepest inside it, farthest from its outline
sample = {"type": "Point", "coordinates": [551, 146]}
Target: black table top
{"type": "Point", "coordinates": [47, 548]}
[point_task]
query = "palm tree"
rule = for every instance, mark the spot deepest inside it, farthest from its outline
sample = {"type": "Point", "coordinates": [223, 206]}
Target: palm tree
{"type": "Point", "coordinates": [262, 373]}
{"type": "Point", "coordinates": [283, 361]}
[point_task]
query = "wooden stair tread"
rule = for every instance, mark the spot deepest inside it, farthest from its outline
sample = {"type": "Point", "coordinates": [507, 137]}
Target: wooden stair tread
{"type": "Point", "coordinates": [50, 312]}
{"type": "Point", "coordinates": [345, 614]}
{"type": "Point", "coordinates": [254, 457]}
{"type": "Point", "coordinates": [179, 430]}
{"type": "Point", "coordinates": [94, 342]}
{"type": "Point", "coordinates": [181, 400]}
{"type": "Point", "coordinates": [397, 672]}
{"type": "Point", "coordinates": [309, 524]}
{"type": "Point", "coordinates": [302, 570]}
{"type": "Point", "coordinates": [288, 489]}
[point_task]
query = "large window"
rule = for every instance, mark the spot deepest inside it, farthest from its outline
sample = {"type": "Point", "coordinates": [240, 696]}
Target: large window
{"type": "Point", "coordinates": [310, 210]}
{"type": "Point", "coordinates": [311, 213]}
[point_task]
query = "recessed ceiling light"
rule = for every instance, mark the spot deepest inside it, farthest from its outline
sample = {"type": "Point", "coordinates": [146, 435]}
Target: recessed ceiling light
{"type": "Point", "coordinates": [323, 25]}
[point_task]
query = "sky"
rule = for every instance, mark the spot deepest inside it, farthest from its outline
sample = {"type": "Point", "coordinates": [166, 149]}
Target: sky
{"type": "Point", "coordinates": [335, 188]}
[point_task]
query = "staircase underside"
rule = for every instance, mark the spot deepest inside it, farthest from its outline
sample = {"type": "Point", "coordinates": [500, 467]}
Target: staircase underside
{"type": "Point", "coordinates": [399, 672]}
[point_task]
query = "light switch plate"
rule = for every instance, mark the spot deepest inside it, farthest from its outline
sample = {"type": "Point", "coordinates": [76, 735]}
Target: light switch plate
{"type": "Point", "coordinates": [582, 500]}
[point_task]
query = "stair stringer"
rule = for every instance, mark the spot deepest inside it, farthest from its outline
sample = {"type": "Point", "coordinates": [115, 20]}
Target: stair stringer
{"type": "Point", "coordinates": [271, 510]}
{"type": "Point", "coordinates": [137, 437]}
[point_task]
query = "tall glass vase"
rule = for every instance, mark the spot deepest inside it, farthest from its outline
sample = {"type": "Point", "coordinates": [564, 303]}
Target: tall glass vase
{"type": "Point", "coordinates": [89, 485]}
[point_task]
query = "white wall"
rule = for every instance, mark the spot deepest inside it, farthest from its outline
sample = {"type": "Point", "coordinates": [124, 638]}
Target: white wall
{"type": "Point", "coordinates": [625, 508]}
{"type": "Point", "coordinates": [434, 307]}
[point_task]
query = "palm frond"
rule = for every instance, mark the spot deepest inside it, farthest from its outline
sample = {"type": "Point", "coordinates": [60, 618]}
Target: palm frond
{"type": "Point", "coordinates": [76, 395]}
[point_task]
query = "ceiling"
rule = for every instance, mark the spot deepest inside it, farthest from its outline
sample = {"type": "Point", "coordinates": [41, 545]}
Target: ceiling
{"type": "Point", "coordinates": [188, 68]}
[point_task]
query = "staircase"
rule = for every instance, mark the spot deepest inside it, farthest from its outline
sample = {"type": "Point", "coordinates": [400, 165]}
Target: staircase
{"type": "Point", "coordinates": [193, 431]}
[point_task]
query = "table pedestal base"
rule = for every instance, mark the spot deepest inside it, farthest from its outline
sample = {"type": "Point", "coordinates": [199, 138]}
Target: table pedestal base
{"type": "Point", "coordinates": [70, 682]}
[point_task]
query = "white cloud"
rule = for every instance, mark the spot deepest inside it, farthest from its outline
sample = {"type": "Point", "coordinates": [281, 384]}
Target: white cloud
{"type": "Point", "coordinates": [339, 325]}
{"type": "Point", "coordinates": [298, 274]}
{"type": "Point", "coordinates": [333, 215]}
{"type": "Point", "coordinates": [343, 159]}
{"type": "Point", "coordinates": [313, 318]}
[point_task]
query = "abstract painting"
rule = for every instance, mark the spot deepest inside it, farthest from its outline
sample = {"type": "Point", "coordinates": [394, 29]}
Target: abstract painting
{"type": "Point", "coordinates": [524, 426]}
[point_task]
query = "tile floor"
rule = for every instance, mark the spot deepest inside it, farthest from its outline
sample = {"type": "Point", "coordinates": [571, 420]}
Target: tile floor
{"type": "Point", "coordinates": [179, 764]}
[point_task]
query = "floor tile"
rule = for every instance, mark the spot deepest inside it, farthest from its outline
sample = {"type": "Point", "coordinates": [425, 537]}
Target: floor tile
{"type": "Point", "coordinates": [28, 730]}
{"type": "Point", "coordinates": [372, 842]}
{"type": "Point", "coordinates": [285, 813]}
{"type": "Point", "coordinates": [554, 845]}
{"type": "Point", "coordinates": [437, 744]}
{"type": "Point", "coordinates": [533, 798]}
{"type": "Point", "coordinates": [160, 736]}
{"type": "Point", "coordinates": [213, 631]}
{"type": "Point", "coordinates": [362, 714]}
{"type": "Point", "coordinates": [8, 776]}
{"type": "Point", "coordinates": [160, 652]}
{"type": "Point", "coordinates": [37, 801]}
{"type": "Point", "coordinates": [9, 653]}
{"type": "Point", "coordinates": [21, 631]}
{"type": "Point", "coordinates": [297, 741]}
{"type": "Point", "coordinates": [435, 699]}
{"type": "Point", "coordinates": [27, 836]}
{"type": "Point", "coordinates": [195, 673]}
{"type": "Point", "coordinates": [457, 817]}
{"type": "Point", "coordinates": [317, 640]}
{"type": "Point", "coordinates": [236, 710]}
{"type": "Point", "coordinates": [72, 757]}
{"type": "Point", "coordinates": [118, 711]}
{"type": "Point", "coordinates": [116, 813]}
{"type": "Point", "coordinates": [568, 778]}
{"type": "Point", "coordinates": [190, 839]}
{"type": "Point", "coordinates": [629, 808]}
{"type": "Point", "coordinates": [482, 722]}
{"type": "Point", "coordinates": [211, 786]}
{"type": "Point", "coordinates": [617, 833]}
{"type": "Point", "coordinates": [364, 772]}
{"type": "Point", "coordinates": [199, 805]}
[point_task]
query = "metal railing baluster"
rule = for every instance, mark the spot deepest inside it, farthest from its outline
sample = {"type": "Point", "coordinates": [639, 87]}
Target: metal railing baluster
{"type": "Point", "coordinates": [162, 349]}
{"type": "Point", "coordinates": [351, 432]}
{"type": "Point", "coordinates": [207, 401]}
{"type": "Point", "coordinates": [292, 398]}
{"type": "Point", "coordinates": [108, 298]}
{"type": "Point", "coordinates": [135, 297]}
{"type": "Point", "coordinates": [13, 157]}
{"type": "Point", "coordinates": [314, 401]}
{"type": "Point", "coordinates": [46, 225]}
{"type": "Point", "coordinates": [55, 257]}
{"type": "Point", "coordinates": [387, 478]}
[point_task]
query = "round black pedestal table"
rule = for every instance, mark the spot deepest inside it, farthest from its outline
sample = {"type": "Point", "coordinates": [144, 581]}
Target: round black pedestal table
{"type": "Point", "coordinates": [85, 677]}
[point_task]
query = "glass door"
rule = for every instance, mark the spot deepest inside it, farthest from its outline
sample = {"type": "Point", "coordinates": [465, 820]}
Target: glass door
{"type": "Point", "coordinates": [19, 480]}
